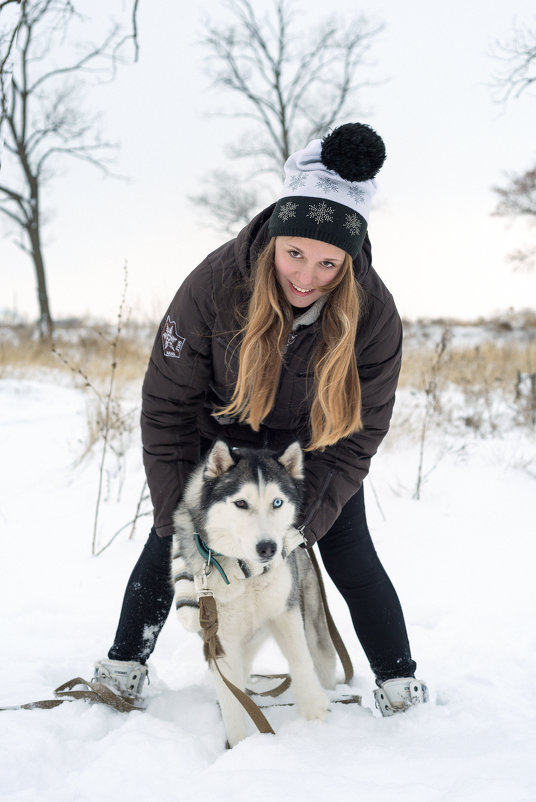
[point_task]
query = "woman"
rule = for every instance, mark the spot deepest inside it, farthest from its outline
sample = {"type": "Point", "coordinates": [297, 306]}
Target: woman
{"type": "Point", "coordinates": [285, 332]}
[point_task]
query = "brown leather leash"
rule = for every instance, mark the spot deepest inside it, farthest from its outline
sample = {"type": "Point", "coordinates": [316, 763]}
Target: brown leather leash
{"type": "Point", "coordinates": [336, 639]}
{"type": "Point", "coordinates": [94, 692]}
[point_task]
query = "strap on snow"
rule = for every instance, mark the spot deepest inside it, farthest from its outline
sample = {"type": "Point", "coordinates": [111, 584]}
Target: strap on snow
{"type": "Point", "coordinates": [94, 692]}
{"type": "Point", "coordinates": [354, 699]}
{"type": "Point", "coordinates": [277, 691]}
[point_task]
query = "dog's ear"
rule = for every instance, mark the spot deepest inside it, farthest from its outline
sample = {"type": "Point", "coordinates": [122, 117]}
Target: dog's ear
{"type": "Point", "coordinates": [219, 460]}
{"type": "Point", "coordinates": [292, 460]}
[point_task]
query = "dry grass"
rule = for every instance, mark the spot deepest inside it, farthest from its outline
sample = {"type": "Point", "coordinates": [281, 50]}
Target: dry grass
{"type": "Point", "coordinates": [481, 368]}
{"type": "Point", "coordinates": [84, 350]}
{"type": "Point", "coordinates": [493, 363]}
{"type": "Point", "coordinates": [491, 369]}
{"type": "Point", "coordinates": [503, 350]}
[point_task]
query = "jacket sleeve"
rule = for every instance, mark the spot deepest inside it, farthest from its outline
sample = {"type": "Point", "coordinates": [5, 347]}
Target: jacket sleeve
{"type": "Point", "coordinates": [334, 475]}
{"type": "Point", "coordinates": [173, 392]}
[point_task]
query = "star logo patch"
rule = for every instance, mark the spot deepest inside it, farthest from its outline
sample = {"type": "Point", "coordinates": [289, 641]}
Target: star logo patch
{"type": "Point", "coordinates": [172, 342]}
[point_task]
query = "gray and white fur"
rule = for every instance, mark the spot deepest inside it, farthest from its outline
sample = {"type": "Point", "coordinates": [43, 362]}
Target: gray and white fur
{"type": "Point", "coordinates": [244, 503]}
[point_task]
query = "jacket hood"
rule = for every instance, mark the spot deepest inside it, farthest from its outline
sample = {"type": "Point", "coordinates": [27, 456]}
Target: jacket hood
{"type": "Point", "coordinates": [255, 235]}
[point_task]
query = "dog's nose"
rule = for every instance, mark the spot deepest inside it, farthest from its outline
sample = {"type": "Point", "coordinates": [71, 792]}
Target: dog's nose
{"type": "Point", "coordinates": [266, 549]}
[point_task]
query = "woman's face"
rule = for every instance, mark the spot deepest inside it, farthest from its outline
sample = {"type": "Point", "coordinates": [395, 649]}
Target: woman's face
{"type": "Point", "coordinates": [303, 265]}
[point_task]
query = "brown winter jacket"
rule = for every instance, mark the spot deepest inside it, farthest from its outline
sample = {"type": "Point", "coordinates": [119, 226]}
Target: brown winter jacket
{"type": "Point", "coordinates": [192, 372]}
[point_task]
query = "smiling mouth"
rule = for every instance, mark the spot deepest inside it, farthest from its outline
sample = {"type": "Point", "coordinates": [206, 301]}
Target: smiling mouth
{"type": "Point", "coordinates": [300, 289]}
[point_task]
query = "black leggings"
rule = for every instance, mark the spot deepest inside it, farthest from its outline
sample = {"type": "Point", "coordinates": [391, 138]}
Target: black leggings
{"type": "Point", "coordinates": [351, 561]}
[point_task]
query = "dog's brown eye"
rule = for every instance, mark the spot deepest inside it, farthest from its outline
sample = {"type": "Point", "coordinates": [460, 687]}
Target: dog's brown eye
{"type": "Point", "coordinates": [241, 504]}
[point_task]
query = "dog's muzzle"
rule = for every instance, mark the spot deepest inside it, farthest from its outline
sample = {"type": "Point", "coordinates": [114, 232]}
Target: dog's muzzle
{"type": "Point", "coordinates": [266, 549]}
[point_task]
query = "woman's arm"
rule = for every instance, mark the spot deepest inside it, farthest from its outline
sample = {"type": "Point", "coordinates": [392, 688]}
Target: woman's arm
{"type": "Point", "coordinates": [173, 392]}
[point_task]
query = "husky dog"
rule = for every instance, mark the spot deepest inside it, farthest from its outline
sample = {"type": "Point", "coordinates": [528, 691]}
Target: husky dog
{"type": "Point", "coordinates": [241, 506]}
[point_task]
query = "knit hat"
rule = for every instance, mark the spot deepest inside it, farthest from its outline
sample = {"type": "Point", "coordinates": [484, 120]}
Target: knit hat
{"type": "Point", "coordinates": [328, 188]}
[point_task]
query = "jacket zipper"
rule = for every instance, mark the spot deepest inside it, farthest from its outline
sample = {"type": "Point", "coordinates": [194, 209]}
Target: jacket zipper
{"type": "Point", "coordinates": [290, 339]}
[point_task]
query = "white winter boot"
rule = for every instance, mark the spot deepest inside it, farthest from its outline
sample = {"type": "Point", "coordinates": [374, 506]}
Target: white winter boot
{"type": "Point", "coordinates": [397, 695]}
{"type": "Point", "coordinates": [125, 678]}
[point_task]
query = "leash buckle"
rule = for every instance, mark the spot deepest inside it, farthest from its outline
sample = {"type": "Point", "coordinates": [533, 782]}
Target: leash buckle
{"type": "Point", "coordinates": [201, 581]}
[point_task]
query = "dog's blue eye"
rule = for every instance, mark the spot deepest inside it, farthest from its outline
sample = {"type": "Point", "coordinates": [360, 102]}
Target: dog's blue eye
{"type": "Point", "coordinates": [241, 504]}
{"type": "Point", "coordinates": [277, 502]}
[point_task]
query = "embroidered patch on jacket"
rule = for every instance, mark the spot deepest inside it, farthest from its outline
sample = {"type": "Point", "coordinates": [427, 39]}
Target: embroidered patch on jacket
{"type": "Point", "coordinates": [172, 342]}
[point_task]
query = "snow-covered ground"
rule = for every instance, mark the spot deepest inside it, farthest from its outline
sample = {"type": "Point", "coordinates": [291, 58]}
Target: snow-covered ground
{"type": "Point", "coordinates": [462, 559]}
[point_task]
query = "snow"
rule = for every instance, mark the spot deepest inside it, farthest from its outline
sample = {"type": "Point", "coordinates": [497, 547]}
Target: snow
{"type": "Point", "coordinates": [461, 559]}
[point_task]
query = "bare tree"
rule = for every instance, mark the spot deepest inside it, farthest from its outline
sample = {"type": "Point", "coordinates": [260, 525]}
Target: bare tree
{"type": "Point", "coordinates": [43, 118]}
{"type": "Point", "coordinates": [291, 85]}
{"type": "Point", "coordinates": [517, 198]}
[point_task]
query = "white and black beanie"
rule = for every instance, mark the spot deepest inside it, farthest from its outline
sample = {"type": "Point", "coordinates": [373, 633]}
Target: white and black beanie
{"type": "Point", "coordinates": [328, 188]}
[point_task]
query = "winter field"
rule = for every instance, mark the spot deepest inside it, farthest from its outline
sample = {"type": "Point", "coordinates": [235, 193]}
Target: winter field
{"type": "Point", "coordinates": [462, 559]}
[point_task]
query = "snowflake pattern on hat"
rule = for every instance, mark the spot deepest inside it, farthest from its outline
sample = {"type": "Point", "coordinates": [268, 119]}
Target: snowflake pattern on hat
{"type": "Point", "coordinates": [287, 211]}
{"type": "Point", "coordinates": [297, 181]}
{"type": "Point", "coordinates": [328, 188]}
{"type": "Point", "coordinates": [327, 184]}
{"type": "Point", "coordinates": [321, 212]}
{"type": "Point", "coordinates": [353, 223]}
{"type": "Point", "coordinates": [357, 194]}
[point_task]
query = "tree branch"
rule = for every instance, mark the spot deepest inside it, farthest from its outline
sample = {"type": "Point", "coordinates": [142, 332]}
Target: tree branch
{"type": "Point", "coordinates": [19, 220]}
{"type": "Point", "coordinates": [9, 48]}
{"type": "Point", "coordinates": [519, 56]}
{"type": "Point", "coordinates": [12, 195]}
{"type": "Point", "coordinates": [82, 152]}
{"type": "Point", "coordinates": [131, 36]}
{"type": "Point", "coordinates": [101, 50]}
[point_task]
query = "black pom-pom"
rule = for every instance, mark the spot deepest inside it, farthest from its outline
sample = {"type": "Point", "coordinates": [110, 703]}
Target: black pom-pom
{"type": "Point", "coordinates": [355, 151]}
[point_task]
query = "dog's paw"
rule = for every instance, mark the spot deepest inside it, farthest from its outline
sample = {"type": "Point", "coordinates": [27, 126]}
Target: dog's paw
{"type": "Point", "coordinates": [314, 707]}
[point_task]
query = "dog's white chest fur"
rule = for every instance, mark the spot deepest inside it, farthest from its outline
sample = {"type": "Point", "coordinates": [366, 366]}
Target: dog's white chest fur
{"type": "Point", "coordinates": [247, 605]}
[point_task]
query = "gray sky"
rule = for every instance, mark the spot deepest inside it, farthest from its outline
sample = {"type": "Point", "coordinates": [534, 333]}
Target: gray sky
{"type": "Point", "coordinates": [435, 243]}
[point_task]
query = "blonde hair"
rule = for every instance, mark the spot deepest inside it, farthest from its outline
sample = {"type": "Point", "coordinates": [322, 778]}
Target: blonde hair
{"type": "Point", "coordinates": [336, 406]}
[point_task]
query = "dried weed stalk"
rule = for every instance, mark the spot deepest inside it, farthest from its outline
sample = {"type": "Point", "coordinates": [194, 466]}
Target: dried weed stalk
{"type": "Point", "coordinates": [432, 402]}
{"type": "Point", "coordinates": [108, 424]}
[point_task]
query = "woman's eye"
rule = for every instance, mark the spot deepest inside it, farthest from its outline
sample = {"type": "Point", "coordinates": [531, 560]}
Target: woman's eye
{"type": "Point", "coordinates": [277, 502]}
{"type": "Point", "coordinates": [295, 254]}
{"type": "Point", "coordinates": [241, 504]}
{"type": "Point", "coordinates": [328, 264]}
